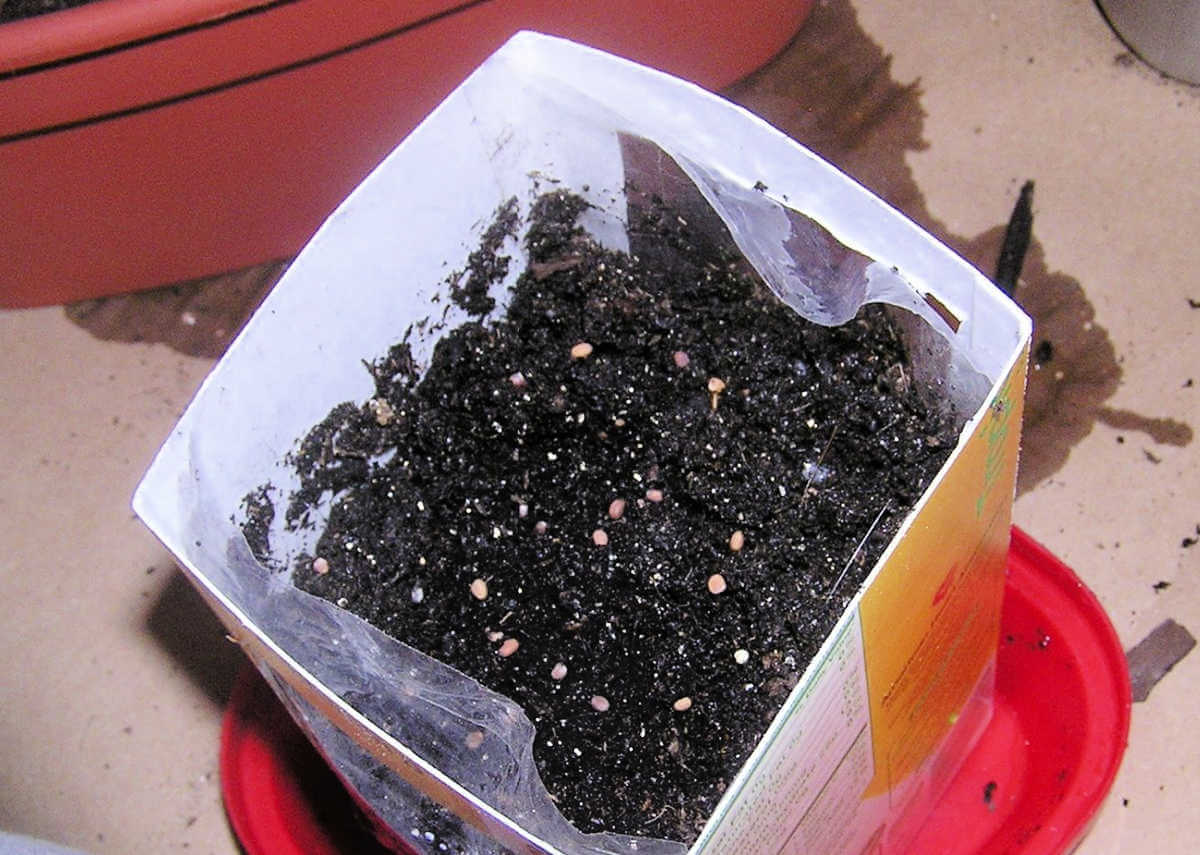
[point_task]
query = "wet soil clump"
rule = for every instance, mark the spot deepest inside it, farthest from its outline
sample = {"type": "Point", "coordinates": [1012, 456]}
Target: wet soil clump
{"type": "Point", "coordinates": [635, 504]}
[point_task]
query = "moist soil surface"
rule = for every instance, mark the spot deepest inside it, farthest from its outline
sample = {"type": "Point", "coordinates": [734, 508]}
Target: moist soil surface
{"type": "Point", "coordinates": [636, 503]}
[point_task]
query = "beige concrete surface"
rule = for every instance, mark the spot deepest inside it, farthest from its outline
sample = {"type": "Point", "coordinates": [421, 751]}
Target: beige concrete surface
{"type": "Point", "coordinates": [1115, 149]}
{"type": "Point", "coordinates": [114, 673]}
{"type": "Point", "coordinates": [114, 676]}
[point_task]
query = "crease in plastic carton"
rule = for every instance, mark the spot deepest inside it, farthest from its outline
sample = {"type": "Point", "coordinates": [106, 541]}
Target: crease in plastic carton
{"type": "Point", "coordinates": [521, 114]}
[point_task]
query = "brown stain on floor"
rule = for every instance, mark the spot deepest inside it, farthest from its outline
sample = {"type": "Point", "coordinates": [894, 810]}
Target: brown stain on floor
{"type": "Point", "coordinates": [832, 90]}
{"type": "Point", "coordinates": [1164, 431]}
{"type": "Point", "coordinates": [198, 318]}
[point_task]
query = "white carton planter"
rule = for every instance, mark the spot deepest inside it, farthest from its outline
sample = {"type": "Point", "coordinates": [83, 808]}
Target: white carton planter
{"type": "Point", "coordinates": [900, 689]}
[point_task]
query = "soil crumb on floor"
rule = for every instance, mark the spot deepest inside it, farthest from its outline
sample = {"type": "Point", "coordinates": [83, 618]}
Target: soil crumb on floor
{"type": "Point", "coordinates": [635, 504]}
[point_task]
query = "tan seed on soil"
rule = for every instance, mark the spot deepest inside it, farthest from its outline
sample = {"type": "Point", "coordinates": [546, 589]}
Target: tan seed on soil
{"type": "Point", "coordinates": [715, 387]}
{"type": "Point", "coordinates": [600, 703]}
{"type": "Point", "coordinates": [320, 566]}
{"type": "Point", "coordinates": [509, 647]}
{"type": "Point", "coordinates": [682, 705]}
{"type": "Point", "coordinates": [616, 509]}
{"type": "Point", "coordinates": [384, 414]}
{"type": "Point", "coordinates": [581, 351]}
{"type": "Point", "coordinates": [716, 583]}
{"type": "Point", "coordinates": [479, 589]}
{"type": "Point", "coordinates": [600, 537]}
{"type": "Point", "coordinates": [654, 495]}
{"type": "Point", "coordinates": [558, 672]}
{"type": "Point", "coordinates": [737, 540]}
{"type": "Point", "coordinates": [682, 360]}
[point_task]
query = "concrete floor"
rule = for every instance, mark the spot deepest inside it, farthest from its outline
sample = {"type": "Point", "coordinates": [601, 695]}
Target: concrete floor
{"type": "Point", "coordinates": [115, 675]}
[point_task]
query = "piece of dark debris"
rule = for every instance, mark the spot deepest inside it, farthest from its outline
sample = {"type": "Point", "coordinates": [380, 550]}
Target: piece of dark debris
{"type": "Point", "coordinates": [1160, 585]}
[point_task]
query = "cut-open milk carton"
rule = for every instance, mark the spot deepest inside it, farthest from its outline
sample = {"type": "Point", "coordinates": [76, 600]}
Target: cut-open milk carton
{"type": "Point", "coordinates": [902, 687]}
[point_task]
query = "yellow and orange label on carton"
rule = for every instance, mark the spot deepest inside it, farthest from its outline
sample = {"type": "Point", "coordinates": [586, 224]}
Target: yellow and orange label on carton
{"type": "Point", "coordinates": [839, 767]}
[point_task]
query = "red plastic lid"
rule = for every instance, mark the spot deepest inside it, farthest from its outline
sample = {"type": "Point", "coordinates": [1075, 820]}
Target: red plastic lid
{"type": "Point", "coordinates": [280, 795]}
{"type": "Point", "coordinates": [1060, 725]}
{"type": "Point", "coordinates": [1031, 786]}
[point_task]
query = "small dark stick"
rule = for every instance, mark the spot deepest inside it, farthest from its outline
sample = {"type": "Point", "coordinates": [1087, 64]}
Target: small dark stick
{"type": "Point", "coordinates": [1016, 242]}
{"type": "Point", "coordinates": [989, 791]}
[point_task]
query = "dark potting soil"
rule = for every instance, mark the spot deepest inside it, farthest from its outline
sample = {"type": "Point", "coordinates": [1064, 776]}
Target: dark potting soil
{"type": "Point", "coordinates": [11, 10]}
{"type": "Point", "coordinates": [636, 504]}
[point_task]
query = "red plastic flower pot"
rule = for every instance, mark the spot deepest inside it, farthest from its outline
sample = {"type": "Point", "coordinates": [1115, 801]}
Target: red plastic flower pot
{"type": "Point", "coordinates": [144, 142]}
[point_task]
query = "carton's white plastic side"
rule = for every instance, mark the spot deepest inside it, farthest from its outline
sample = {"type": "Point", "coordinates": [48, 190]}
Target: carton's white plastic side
{"type": "Point", "coordinates": [349, 295]}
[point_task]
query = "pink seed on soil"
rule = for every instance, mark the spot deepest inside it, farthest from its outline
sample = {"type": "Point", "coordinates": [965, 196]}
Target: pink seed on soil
{"type": "Point", "coordinates": [600, 703]}
{"type": "Point", "coordinates": [737, 540]}
{"type": "Point", "coordinates": [682, 360]}
{"type": "Point", "coordinates": [600, 537]}
{"type": "Point", "coordinates": [479, 589]}
{"type": "Point", "coordinates": [654, 495]}
{"type": "Point", "coordinates": [320, 566]}
{"type": "Point", "coordinates": [509, 647]}
{"type": "Point", "coordinates": [558, 672]}
{"type": "Point", "coordinates": [540, 527]}
{"type": "Point", "coordinates": [581, 351]}
{"type": "Point", "coordinates": [616, 509]}
{"type": "Point", "coordinates": [682, 704]}
{"type": "Point", "coordinates": [517, 379]}
{"type": "Point", "coordinates": [716, 583]}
